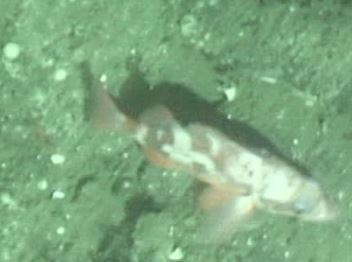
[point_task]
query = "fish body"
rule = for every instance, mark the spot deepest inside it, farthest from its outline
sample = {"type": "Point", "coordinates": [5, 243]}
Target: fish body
{"type": "Point", "coordinates": [263, 180]}
{"type": "Point", "coordinates": [241, 180]}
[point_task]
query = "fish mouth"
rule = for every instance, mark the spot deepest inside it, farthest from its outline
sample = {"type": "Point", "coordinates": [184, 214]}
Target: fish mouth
{"type": "Point", "coordinates": [324, 210]}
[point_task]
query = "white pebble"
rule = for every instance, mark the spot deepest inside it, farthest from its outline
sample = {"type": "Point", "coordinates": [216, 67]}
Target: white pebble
{"type": "Point", "coordinates": [60, 75]}
{"type": "Point", "coordinates": [60, 230]}
{"type": "Point", "coordinates": [7, 200]}
{"type": "Point", "coordinates": [57, 194]}
{"type": "Point", "coordinates": [213, 2]}
{"type": "Point", "coordinates": [230, 93]}
{"type": "Point", "coordinates": [11, 51]}
{"type": "Point", "coordinates": [268, 79]}
{"type": "Point", "coordinates": [287, 254]}
{"type": "Point", "coordinates": [42, 185]}
{"type": "Point", "coordinates": [341, 195]}
{"type": "Point", "coordinates": [125, 155]}
{"type": "Point", "coordinates": [126, 184]}
{"type": "Point", "coordinates": [133, 51]}
{"type": "Point", "coordinates": [176, 255]}
{"type": "Point", "coordinates": [103, 78]}
{"type": "Point", "coordinates": [171, 231]}
{"type": "Point", "coordinates": [57, 159]}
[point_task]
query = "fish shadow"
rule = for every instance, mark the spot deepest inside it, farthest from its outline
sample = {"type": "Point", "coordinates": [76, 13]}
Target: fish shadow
{"type": "Point", "coordinates": [187, 107]}
{"type": "Point", "coordinates": [136, 95]}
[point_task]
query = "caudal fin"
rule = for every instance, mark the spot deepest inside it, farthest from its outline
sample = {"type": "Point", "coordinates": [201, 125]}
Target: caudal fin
{"type": "Point", "coordinates": [100, 108]}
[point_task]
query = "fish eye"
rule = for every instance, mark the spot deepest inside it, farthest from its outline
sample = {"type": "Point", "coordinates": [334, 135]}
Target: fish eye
{"type": "Point", "coordinates": [303, 205]}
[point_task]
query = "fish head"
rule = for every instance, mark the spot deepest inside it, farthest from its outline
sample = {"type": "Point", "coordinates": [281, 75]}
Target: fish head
{"type": "Point", "coordinates": [311, 204]}
{"type": "Point", "coordinates": [291, 193]}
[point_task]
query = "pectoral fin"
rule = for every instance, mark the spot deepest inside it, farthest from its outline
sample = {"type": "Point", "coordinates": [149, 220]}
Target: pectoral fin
{"type": "Point", "coordinates": [219, 192]}
{"type": "Point", "coordinates": [229, 208]}
{"type": "Point", "coordinates": [223, 221]}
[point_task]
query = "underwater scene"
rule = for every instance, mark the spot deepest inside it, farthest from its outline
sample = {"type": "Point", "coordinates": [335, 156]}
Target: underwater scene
{"type": "Point", "coordinates": [176, 130]}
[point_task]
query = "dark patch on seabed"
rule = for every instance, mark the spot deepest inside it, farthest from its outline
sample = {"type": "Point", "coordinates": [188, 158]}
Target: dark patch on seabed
{"type": "Point", "coordinates": [117, 243]}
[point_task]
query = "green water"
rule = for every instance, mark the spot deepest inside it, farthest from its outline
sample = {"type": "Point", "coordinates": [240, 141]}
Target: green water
{"type": "Point", "coordinates": [69, 192]}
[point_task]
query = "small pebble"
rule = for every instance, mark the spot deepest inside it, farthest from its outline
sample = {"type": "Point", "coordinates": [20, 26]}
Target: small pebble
{"type": "Point", "coordinates": [126, 184]}
{"type": "Point", "coordinates": [287, 254]}
{"type": "Point", "coordinates": [58, 195]}
{"type": "Point", "coordinates": [60, 75]}
{"type": "Point", "coordinates": [103, 78]}
{"type": "Point", "coordinates": [125, 155]}
{"type": "Point", "coordinates": [42, 185]}
{"type": "Point", "coordinates": [268, 79]}
{"type": "Point", "coordinates": [7, 200]}
{"type": "Point", "coordinates": [340, 195]}
{"type": "Point", "coordinates": [57, 159]}
{"type": "Point", "coordinates": [60, 230]}
{"type": "Point", "coordinates": [230, 93]}
{"type": "Point", "coordinates": [11, 51]}
{"type": "Point", "coordinates": [176, 255]}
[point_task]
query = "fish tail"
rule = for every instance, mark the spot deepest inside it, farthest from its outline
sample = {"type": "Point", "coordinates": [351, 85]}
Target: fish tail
{"type": "Point", "coordinates": [100, 108]}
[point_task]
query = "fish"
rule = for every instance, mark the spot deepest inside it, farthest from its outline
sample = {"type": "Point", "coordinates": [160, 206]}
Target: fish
{"type": "Point", "coordinates": [241, 180]}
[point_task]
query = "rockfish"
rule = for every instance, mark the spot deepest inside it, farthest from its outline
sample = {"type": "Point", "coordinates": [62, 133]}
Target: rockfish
{"type": "Point", "coordinates": [241, 179]}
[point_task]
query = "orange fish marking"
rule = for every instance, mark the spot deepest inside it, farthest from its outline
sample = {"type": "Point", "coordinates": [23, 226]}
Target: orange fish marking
{"type": "Point", "coordinates": [159, 159]}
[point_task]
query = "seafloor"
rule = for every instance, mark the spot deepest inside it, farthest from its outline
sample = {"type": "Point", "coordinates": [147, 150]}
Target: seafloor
{"type": "Point", "coordinates": [69, 192]}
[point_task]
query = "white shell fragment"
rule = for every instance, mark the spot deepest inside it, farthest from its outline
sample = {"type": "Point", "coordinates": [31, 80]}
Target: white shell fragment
{"type": "Point", "coordinates": [268, 79]}
{"type": "Point", "coordinates": [230, 94]}
{"type": "Point", "coordinates": [11, 51]}
{"type": "Point", "coordinates": [60, 75]}
{"type": "Point", "coordinates": [57, 159]}
{"type": "Point", "coordinates": [58, 194]}
{"type": "Point", "coordinates": [42, 185]}
{"type": "Point", "coordinates": [7, 200]}
{"type": "Point", "coordinates": [176, 255]}
{"type": "Point", "coordinates": [60, 230]}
